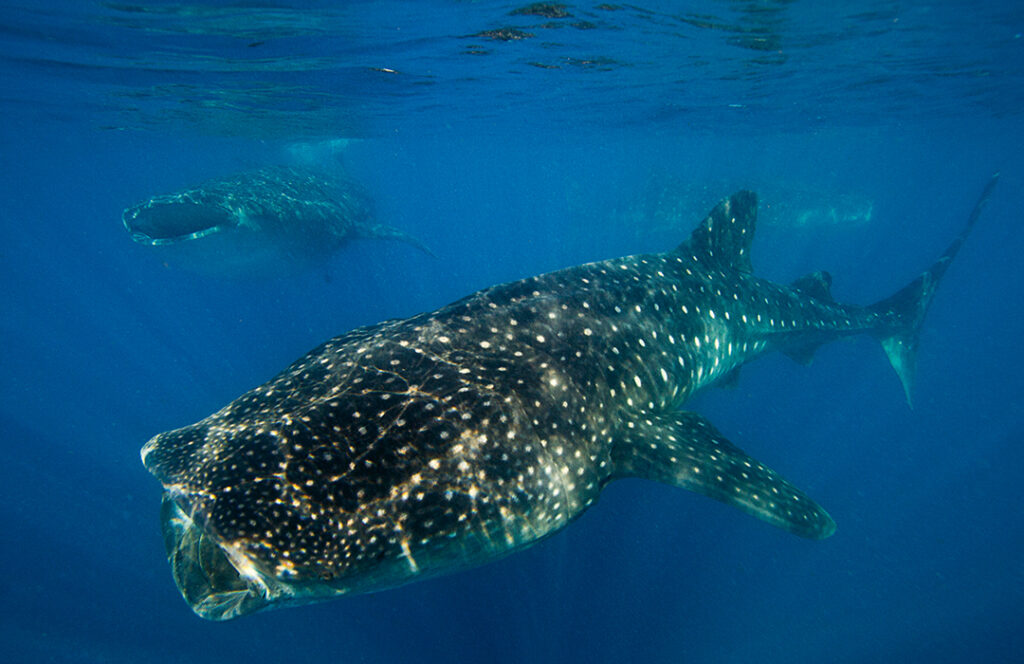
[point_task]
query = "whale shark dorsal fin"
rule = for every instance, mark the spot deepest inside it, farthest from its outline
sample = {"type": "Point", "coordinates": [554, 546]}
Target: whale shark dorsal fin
{"type": "Point", "coordinates": [819, 286]}
{"type": "Point", "coordinates": [685, 450]}
{"type": "Point", "coordinates": [726, 233]}
{"type": "Point", "coordinates": [816, 284]}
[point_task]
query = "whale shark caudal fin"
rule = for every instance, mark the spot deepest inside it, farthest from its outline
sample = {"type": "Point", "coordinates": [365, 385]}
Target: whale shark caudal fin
{"type": "Point", "coordinates": [684, 449]}
{"type": "Point", "coordinates": [906, 309]}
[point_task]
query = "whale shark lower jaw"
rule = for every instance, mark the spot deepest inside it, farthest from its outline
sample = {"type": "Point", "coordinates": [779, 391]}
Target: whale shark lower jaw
{"type": "Point", "coordinates": [421, 446]}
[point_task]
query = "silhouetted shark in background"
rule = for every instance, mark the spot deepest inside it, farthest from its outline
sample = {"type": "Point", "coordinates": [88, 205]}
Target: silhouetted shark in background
{"type": "Point", "coordinates": [445, 440]}
{"type": "Point", "coordinates": [269, 222]}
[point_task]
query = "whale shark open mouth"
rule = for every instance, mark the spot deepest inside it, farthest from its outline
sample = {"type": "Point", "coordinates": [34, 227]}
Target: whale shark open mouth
{"type": "Point", "coordinates": [173, 219]}
{"type": "Point", "coordinates": [215, 583]}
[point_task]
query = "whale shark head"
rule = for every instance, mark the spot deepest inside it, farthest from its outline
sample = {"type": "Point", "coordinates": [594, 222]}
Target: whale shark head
{"type": "Point", "coordinates": [177, 218]}
{"type": "Point", "coordinates": [214, 235]}
{"type": "Point", "coordinates": [272, 222]}
{"type": "Point", "coordinates": [236, 547]}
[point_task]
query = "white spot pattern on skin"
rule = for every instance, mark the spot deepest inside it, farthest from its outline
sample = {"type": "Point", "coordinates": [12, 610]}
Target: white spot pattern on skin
{"type": "Point", "coordinates": [482, 426]}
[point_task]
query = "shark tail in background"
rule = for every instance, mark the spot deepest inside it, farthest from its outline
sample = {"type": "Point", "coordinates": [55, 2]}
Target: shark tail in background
{"type": "Point", "coordinates": [906, 309]}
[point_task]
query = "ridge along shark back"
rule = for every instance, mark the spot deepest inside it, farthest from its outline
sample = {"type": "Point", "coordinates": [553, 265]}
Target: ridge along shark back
{"type": "Point", "coordinates": [421, 446]}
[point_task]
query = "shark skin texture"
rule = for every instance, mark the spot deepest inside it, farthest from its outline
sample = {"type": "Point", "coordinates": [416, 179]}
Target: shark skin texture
{"type": "Point", "coordinates": [421, 446]}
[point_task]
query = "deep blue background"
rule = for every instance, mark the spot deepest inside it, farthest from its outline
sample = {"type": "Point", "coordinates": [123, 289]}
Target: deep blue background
{"type": "Point", "coordinates": [101, 346]}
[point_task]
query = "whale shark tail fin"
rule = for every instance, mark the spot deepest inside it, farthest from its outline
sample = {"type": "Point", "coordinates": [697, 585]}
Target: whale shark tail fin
{"type": "Point", "coordinates": [904, 311]}
{"type": "Point", "coordinates": [725, 235]}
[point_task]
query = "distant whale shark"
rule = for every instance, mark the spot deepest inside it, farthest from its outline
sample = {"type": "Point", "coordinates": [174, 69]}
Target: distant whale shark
{"type": "Point", "coordinates": [272, 221]}
{"type": "Point", "coordinates": [665, 198]}
{"type": "Point", "coordinates": [420, 446]}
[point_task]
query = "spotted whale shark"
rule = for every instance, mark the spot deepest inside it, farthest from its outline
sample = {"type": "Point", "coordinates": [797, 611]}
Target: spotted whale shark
{"type": "Point", "coordinates": [424, 445]}
{"type": "Point", "coordinates": [272, 221]}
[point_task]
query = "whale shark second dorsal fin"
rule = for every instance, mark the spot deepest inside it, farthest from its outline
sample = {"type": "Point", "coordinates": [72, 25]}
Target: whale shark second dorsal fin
{"type": "Point", "coordinates": [726, 234]}
{"type": "Point", "coordinates": [816, 284]}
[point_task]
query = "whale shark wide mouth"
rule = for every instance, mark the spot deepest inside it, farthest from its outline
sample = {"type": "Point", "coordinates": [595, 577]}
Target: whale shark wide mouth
{"type": "Point", "coordinates": [172, 220]}
{"type": "Point", "coordinates": [218, 582]}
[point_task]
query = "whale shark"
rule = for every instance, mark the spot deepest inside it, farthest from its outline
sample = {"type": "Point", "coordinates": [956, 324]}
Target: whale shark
{"type": "Point", "coordinates": [274, 221]}
{"type": "Point", "coordinates": [429, 444]}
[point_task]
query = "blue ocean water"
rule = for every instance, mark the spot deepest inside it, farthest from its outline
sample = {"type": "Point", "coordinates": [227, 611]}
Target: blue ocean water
{"type": "Point", "coordinates": [605, 133]}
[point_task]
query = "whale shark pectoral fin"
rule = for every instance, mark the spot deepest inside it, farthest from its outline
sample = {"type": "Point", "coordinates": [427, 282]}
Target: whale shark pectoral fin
{"type": "Point", "coordinates": [385, 232]}
{"type": "Point", "coordinates": [684, 449]}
